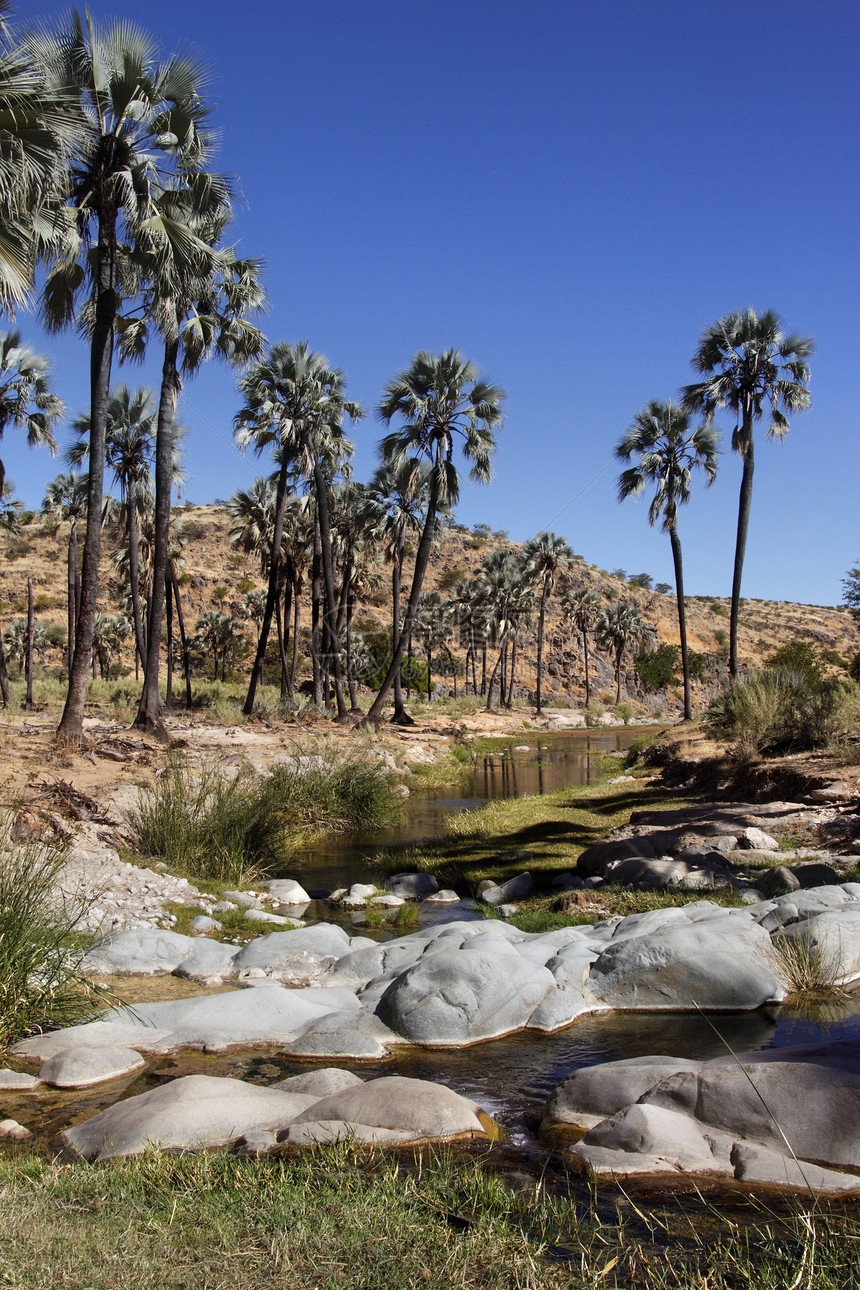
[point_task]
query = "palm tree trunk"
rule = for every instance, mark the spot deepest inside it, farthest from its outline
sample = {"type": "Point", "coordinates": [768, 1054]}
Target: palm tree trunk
{"type": "Point", "coordinates": [510, 701]}
{"type": "Point", "coordinates": [272, 592]}
{"type": "Point", "coordinates": [541, 621]}
{"type": "Point", "coordinates": [5, 687]}
{"type": "Point", "coordinates": [682, 618]}
{"type": "Point", "coordinates": [168, 610]}
{"type": "Point", "coordinates": [401, 716]}
{"type": "Point", "coordinates": [28, 701]}
{"type": "Point", "coordinates": [483, 667]}
{"type": "Point", "coordinates": [183, 639]}
{"type": "Point", "coordinates": [321, 490]}
{"type": "Point", "coordinates": [422, 559]}
{"type": "Point", "coordinates": [587, 681]}
{"type": "Point", "coordinates": [149, 711]}
{"type": "Point", "coordinates": [315, 614]}
{"type": "Point", "coordinates": [71, 588]}
{"type": "Point", "coordinates": [296, 622]}
{"type": "Point", "coordinates": [429, 676]}
{"type": "Point", "coordinates": [286, 680]}
{"type": "Point", "coordinates": [744, 506]}
{"type": "Point", "coordinates": [70, 729]}
{"type": "Point", "coordinates": [493, 680]}
{"type": "Point", "coordinates": [353, 693]}
{"type": "Point", "coordinates": [618, 655]}
{"type": "Point", "coordinates": [134, 577]}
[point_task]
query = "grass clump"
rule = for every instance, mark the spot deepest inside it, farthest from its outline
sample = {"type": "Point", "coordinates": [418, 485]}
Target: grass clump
{"type": "Point", "coordinates": [809, 966]}
{"type": "Point", "coordinates": [236, 830]}
{"type": "Point", "coordinates": [40, 977]}
{"type": "Point", "coordinates": [775, 711]}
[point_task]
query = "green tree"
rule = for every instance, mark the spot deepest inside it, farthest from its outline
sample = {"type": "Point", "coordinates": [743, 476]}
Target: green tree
{"type": "Point", "coordinates": [438, 399]}
{"type": "Point", "coordinates": [546, 556]}
{"type": "Point", "coordinates": [667, 451]}
{"type": "Point", "coordinates": [295, 401]}
{"type": "Point", "coordinates": [27, 401]}
{"type": "Point", "coordinates": [65, 501]}
{"type": "Point", "coordinates": [140, 122]}
{"type": "Point", "coordinates": [851, 591]}
{"type": "Point", "coordinates": [749, 365]}
{"type": "Point", "coordinates": [582, 609]}
{"type": "Point", "coordinates": [619, 627]}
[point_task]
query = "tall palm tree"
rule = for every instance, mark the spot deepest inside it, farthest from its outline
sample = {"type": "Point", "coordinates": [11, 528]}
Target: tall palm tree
{"type": "Point", "coordinates": [582, 608]}
{"type": "Point", "coordinates": [39, 118]}
{"type": "Point", "coordinates": [197, 296]}
{"type": "Point", "coordinates": [66, 501]}
{"type": "Point", "coordinates": [400, 500]}
{"type": "Point", "coordinates": [437, 399]}
{"type": "Point", "coordinates": [294, 400]}
{"type": "Point", "coordinates": [140, 122]}
{"type": "Point", "coordinates": [748, 362]}
{"type": "Point", "coordinates": [618, 628]}
{"type": "Point", "coordinates": [668, 452]}
{"type": "Point", "coordinates": [26, 398]}
{"type": "Point", "coordinates": [546, 556]}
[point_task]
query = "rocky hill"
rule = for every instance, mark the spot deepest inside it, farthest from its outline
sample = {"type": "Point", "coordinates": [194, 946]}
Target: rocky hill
{"type": "Point", "coordinates": [216, 576]}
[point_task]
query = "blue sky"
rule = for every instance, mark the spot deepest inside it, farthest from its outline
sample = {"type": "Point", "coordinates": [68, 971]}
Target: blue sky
{"type": "Point", "coordinates": [569, 192]}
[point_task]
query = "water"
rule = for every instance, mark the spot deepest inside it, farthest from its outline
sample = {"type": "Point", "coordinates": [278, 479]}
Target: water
{"type": "Point", "coordinates": [535, 766]}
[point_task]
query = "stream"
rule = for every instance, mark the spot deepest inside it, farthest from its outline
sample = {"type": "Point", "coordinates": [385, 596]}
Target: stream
{"type": "Point", "coordinates": [510, 1078]}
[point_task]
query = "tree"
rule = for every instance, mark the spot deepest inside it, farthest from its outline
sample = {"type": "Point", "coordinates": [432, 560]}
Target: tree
{"type": "Point", "coordinates": [437, 399]}
{"type": "Point", "coordinates": [619, 627]}
{"type": "Point", "coordinates": [747, 363]}
{"type": "Point", "coordinates": [667, 452]}
{"type": "Point", "coordinates": [546, 556]}
{"type": "Point", "coordinates": [294, 400]}
{"type": "Point", "coordinates": [139, 122]}
{"type": "Point", "coordinates": [66, 501]}
{"type": "Point", "coordinates": [197, 296]}
{"type": "Point", "coordinates": [27, 401]}
{"type": "Point", "coordinates": [851, 591]}
{"type": "Point", "coordinates": [582, 608]}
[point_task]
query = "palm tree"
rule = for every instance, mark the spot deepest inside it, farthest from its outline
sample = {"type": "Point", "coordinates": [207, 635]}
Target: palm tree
{"type": "Point", "coordinates": [668, 452]}
{"type": "Point", "coordinates": [66, 501]}
{"type": "Point", "coordinates": [438, 399]}
{"type": "Point", "coordinates": [400, 499]}
{"type": "Point", "coordinates": [582, 608]}
{"type": "Point", "coordinates": [546, 556]}
{"type": "Point", "coordinates": [618, 627]}
{"type": "Point", "coordinates": [38, 120]}
{"type": "Point", "coordinates": [294, 400]}
{"type": "Point", "coordinates": [26, 399]}
{"type": "Point", "coordinates": [748, 362]}
{"type": "Point", "coordinates": [139, 121]}
{"type": "Point", "coordinates": [197, 296]}
{"type": "Point", "coordinates": [110, 633]}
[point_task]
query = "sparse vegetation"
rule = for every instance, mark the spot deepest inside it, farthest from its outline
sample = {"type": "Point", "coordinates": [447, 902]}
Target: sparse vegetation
{"type": "Point", "coordinates": [776, 711]}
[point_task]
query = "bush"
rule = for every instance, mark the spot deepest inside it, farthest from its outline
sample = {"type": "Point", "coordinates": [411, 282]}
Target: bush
{"type": "Point", "coordinates": [40, 978]}
{"type": "Point", "coordinates": [657, 669]}
{"type": "Point", "coordinates": [236, 830]}
{"type": "Point", "coordinates": [797, 656]}
{"type": "Point", "coordinates": [775, 711]}
{"type": "Point", "coordinates": [624, 712]}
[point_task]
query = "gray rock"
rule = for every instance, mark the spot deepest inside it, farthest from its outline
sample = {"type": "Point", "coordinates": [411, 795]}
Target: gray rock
{"type": "Point", "coordinates": [202, 925]}
{"type": "Point", "coordinates": [323, 1132]}
{"type": "Point", "coordinates": [288, 892]}
{"type": "Point", "coordinates": [651, 1140]}
{"type": "Point", "coordinates": [224, 907]}
{"type": "Point", "coordinates": [279, 947]}
{"type": "Point", "coordinates": [255, 1144]}
{"type": "Point", "coordinates": [777, 881]}
{"type": "Point", "coordinates": [462, 996]}
{"type": "Point", "coordinates": [17, 1081]}
{"type": "Point", "coordinates": [595, 1092]}
{"type": "Point", "coordinates": [506, 911]}
{"type": "Point", "coordinates": [244, 899]}
{"type": "Point", "coordinates": [265, 916]}
{"type": "Point", "coordinates": [661, 873]}
{"type": "Point", "coordinates": [514, 889]}
{"type": "Point", "coordinates": [815, 875]}
{"type": "Point", "coordinates": [12, 1131]}
{"type": "Point", "coordinates": [320, 1083]}
{"type": "Point", "coordinates": [444, 897]}
{"type": "Point", "coordinates": [139, 953]}
{"type": "Point", "coordinates": [753, 839]}
{"type": "Point", "coordinates": [83, 1067]}
{"type": "Point", "coordinates": [298, 971]}
{"type": "Point", "coordinates": [412, 886]}
{"type": "Point", "coordinates": [207, 958]}
{"type": "Point", "coordinates": [751, 895]}
{"type": "Point", "coordinates": [593, 861]}
{"type": "Point", "coordinates": [194, 1112]}
{"type": "Point", "coordinates": [424, 1110]}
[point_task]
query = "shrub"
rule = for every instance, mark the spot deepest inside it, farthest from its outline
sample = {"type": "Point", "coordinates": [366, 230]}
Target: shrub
{"type": "Point", "coordinates": [40, 977]}
{"type": "Point", "coordinates": [797, 656]}
{"type": "Point", "coordinates": [657, 669]}
{"type": "Point", "coordinates": [592, 711]}
{"type": "Point", "coordinates": [808, 966]}
{"type": "Point", "coordinates": [776, 711]}
{"type": "Point", "coordinates": [624, 712]}
{"type": "Point", "coordinates": [718, 609]}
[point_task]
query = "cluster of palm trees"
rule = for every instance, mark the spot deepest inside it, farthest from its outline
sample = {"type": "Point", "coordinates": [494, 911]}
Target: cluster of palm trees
{"type": "Point", "coordinates": [749, 366]}
{"type": "Point", "coordinates": [110, 203]}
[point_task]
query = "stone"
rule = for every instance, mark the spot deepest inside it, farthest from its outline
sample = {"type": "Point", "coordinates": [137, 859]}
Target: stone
{"type": "Point", "coordinates": [17, 1081]}
{"type": "Point", "coordinates": [12, 1131]}
{"type": "Point", "coordinates": [815, 875]}
{"type": "Point", "coordinates": [287, 891]}
{"type": "Point", "coordinates": [412, 886]}
{"type": "Point", "coordinates": [202, 925]}
{"type": "Point", "coordinates": [444, 897]}
{"type": "Point", "coordinates": [514, 889]}
{"type": "Point", "coordinates": [423, 1109]}
{"type": "Point", "coordinates": [595, 1092]}
{"type": "Point", "coordinates": [777, 881]}
{"type": "Point", "coordinates": [593, 861]}
{"type": "Point", "coordinates": [264, 916]}
{"type": "Point", "coordinates": [224, 907]}
{"type": "Point", "coordinates": [190, 1113]}
{"type": "Point", "coordinates": [244, 899]}
{"type": "Point", "coordinates": [278, 948]}
{"type": "Point", "coordinates": [661, 873]}
{"type": "Point", "coordinates": [300, 970]}
{"type": "Point", "coordinates": [321, 1083]}
{"type": "Point", "coordinates": [85, 1066]}
{"type": "Point", "coordinates": [323, 1132]}
{"type": "Point", "coordinates": [141, 953]}
{"type": "Point", "coordinates": [387, 902]}
{"type": "Point", "coordinates": [651, 1140]}
{"type": "Point", "coordinates": [753, 839]}
{"type": "Point", "coordinates": [462, 996]}
{"type": "Point", "coordinates": [207, 958]}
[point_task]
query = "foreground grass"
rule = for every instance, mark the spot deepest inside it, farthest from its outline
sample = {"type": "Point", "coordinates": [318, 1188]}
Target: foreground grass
{"type": "Point", "coordinates": [333, 1219]}
{"type": "Point", "coordinates": [554, 828]}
